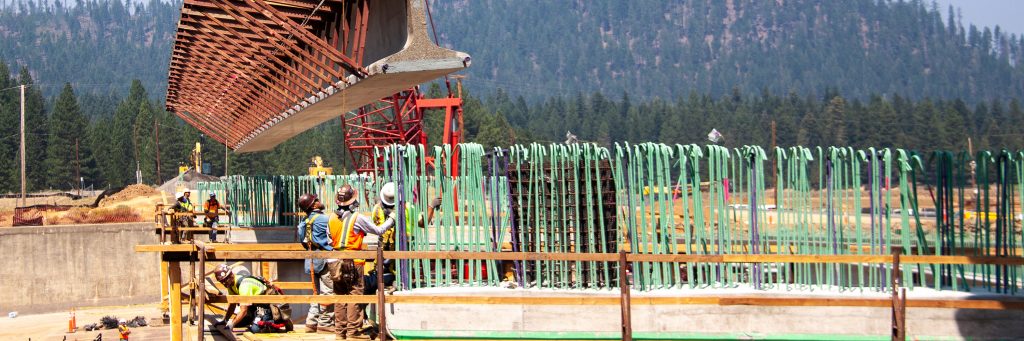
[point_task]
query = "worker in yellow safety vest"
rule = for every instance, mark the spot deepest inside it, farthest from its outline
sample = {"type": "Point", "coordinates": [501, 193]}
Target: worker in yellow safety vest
{"type": "Point", "coordinates": [186, 209]}
{"type": "Point", "coordinates": [383, 209]}
{"type": "Point", "coordinates": [347, 274]}
{"type": "Point", "coordinates": [122, 329]}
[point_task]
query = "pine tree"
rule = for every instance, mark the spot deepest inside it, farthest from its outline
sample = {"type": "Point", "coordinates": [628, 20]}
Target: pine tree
{"type": "Point", "coordinates": [8, 131]}
{"type": "Point", "coordinates": [66, 125]}
{"type": "Point", "coordinates": [835, 113]}
{"type": "Point", "coordinates": [144, 139]}
{"type": "Point", "coordinates": [35, 133]}
{"type": "Point", "coordinates": [496, 132]}
{"type": "Point", "coordinates": [107, 164]}
{"type": "Point", "coordinates": [173, 146]}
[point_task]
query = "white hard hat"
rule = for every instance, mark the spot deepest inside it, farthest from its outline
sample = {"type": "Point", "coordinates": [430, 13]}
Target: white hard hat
{"type": "Point", "coordinates": [122, 321]}
{"type": "Point", "coordinates": [387, 194]}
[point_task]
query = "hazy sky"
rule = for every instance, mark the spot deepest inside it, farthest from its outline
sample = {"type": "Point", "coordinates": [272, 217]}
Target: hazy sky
{"type": "Point", "coordinates": [1008, 14]}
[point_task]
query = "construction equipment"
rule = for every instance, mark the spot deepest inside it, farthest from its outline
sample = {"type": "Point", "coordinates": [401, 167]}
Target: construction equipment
{"type": "Point", "coordinates": [317, 169]}
{"type": "Point", "coordinates": [398, 119]}
{"type": "Point", "coordinates": [196, 157]}
{"type": "Point", "coordinates": [195, 160]}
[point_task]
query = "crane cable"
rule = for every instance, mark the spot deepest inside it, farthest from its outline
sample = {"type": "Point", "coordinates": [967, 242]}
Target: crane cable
{"type": "Point", "coordinates": [433, 28]}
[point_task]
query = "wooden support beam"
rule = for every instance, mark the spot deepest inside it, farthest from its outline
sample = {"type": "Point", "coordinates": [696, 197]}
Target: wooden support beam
{"type": "Point", "coordinates": [342, 60]}
{"type": "Point", "coordinates": [201, 293]}
{"type": "Point", "coordinates": [164, 287]}
{"type": "Point", "coordinates": [624, 298]}
{"type": "Point", "coordinates": [174, 277]}
{"type": "Point", "coordinates": [275, 37]}
{"type": "Point", "coordinates": [381, 311]}
{"type": "Point", "coordinates": [986, 304]}
{"type": "Point", "coordinates": [293, 251]}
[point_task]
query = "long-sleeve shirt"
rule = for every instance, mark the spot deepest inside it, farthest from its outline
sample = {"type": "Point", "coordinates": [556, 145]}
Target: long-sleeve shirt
{"type": "Point", "coordinates": [320, 238]}
{"type": "Point", "coordinates": [365, 224]}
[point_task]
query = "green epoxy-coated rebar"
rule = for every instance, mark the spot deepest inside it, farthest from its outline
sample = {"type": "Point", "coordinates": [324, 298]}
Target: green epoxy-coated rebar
{"type": "Point", "coordinates": [660, 199]}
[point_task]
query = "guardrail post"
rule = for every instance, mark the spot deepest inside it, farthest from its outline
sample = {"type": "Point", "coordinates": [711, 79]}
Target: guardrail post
{"type": "Point", "coordinates": [174, 298]}
{"type": "Point", "coordinates": [378, 265]}
{"type": "Point", "coordinates": [627, 325]}
{"type": "Point", "coordinates": [201, 292]}
{"type": "Point", "coordinates": [899, 318]}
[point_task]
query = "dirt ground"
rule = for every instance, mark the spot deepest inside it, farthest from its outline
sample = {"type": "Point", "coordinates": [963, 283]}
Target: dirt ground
{"type": "Point", "coordinates": [53, 326]}
{"type": "Point", "coordinates": [138, 201]}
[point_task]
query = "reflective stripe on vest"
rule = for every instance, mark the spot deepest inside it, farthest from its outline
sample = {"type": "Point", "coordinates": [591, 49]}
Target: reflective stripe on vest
{"type": "Point", "coordinates": [353, 239]}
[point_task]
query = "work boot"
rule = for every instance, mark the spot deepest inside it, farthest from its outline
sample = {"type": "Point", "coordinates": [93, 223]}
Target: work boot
{"type": "Point", "coordinates": [359, 336]}
{"type": "Point", "coordinates": [325, 329]}
{"type": "Point", "coordinates": [310, 328]}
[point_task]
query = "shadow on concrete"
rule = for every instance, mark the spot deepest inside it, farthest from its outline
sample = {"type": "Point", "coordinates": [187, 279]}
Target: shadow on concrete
{"type": "Point", "coordinates": [1005, 323]}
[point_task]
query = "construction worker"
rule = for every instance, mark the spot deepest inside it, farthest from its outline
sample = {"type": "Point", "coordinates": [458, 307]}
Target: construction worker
{"type": "Point", "coordinates": [348, 273]}
{"type": "Point", "coordinates": [211, 209]}
{"type": "Point", "coordinates": [383, 209]}
{"type": "Point", "coordinates": [257, 318]}
{"type": "Point", "coordinates": [122, 329]}
{"type": "Point", "coordinates": [315, 236]}
{"type": "Point", "coordinates": [185, 207]}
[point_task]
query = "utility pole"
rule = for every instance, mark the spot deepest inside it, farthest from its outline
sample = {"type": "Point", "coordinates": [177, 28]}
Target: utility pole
{"type": "Point", "coordinates": [774, 170]}
{"type": "Point", "coordinates": [78, 168]}
{"type": "Point", "coordinates": [24, 201]}
{"type": "Point", "coordinates": [225, 158]}
{"type": "Point", "coordinates": [156, 130]}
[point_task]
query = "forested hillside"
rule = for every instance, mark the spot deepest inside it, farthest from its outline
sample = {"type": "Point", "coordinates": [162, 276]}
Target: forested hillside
{"type": "Point", "coordinates": [98, 45]}
{"type": "Point", "coordinates": [851, 73]}
{"type": "Point", "coordinates": [669, 48]}
{"type": "Point", "coordinates": [646, 48]}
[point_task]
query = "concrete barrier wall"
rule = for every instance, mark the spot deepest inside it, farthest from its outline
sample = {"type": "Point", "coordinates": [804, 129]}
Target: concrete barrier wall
{"type": "Point", "coordinates": [54, 268]}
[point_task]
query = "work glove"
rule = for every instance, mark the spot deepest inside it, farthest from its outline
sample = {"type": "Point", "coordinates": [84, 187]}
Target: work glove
{"type": "Point", "coordinates": [436, 203]}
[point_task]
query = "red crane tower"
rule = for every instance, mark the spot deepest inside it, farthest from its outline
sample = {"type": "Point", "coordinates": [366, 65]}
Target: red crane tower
{"type": "Point", "coordinates": [398, 119]}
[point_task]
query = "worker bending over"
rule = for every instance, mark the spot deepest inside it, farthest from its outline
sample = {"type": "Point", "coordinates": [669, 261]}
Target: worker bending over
{"type": "Point", "coordinates": [348, 273]}
{"type": "Point", "coordinates": [256, 318]}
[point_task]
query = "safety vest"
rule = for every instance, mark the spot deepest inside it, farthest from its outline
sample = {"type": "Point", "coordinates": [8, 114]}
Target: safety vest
{"type": "Point", "coordinates": [186, 206]}
{"type": "Point", "coordinates": [211, 206]}
{"type": "Point", "coordinates": [344, 235]}
{"type": "Point", "coordinates": [388, 238]}
{"type": "Point", "coordinates": [309, 228]}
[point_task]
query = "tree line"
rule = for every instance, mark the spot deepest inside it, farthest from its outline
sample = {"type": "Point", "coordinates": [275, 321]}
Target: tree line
{"type": "Point", "coordinates": [102, 140]}
{"type": "Point", "coordinates": [650, 49]}
{"type": "Point", "coordinates": [747, 119]}
{"type": "Point", "coordinates": [913, 48]}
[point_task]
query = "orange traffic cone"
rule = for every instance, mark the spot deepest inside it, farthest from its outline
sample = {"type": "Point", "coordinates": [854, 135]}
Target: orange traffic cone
{"type": "Point", "coordinates": [72, 325]}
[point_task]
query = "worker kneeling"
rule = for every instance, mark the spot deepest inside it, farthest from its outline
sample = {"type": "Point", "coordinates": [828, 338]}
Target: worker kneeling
{"type": "Point", "coordinates": [259, 317]}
